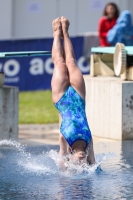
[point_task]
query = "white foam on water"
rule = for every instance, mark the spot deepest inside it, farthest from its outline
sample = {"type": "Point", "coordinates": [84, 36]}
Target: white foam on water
{"type": "Point", "coordinates": [9, 143]}
{"type": "Point", "coordinates": [30, 163]}
{"type": "Point", "coordinates": [12, 143]}
{"type": "Point", "coordinates": [37, 168]}
{"type": "Point", "coordinates": [83, 169]}
{"type": "Point", "coordinates": [47, 163]}
{"type": "Point", "coordinates": [38, 164]}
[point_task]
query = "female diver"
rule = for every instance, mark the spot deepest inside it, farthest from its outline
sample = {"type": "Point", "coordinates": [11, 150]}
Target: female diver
{"type": "Point", "coordinates": [68, 94]}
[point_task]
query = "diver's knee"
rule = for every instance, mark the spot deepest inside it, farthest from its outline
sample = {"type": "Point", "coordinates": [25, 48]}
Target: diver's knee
{"type": "Point", "coordinates": [70, 61]}
{"type": "Point", "coordinates": [58, 61]}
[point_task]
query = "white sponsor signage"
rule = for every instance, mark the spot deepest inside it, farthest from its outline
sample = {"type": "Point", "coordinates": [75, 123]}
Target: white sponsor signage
{"type": "Point", "coordinates": [36, 67]}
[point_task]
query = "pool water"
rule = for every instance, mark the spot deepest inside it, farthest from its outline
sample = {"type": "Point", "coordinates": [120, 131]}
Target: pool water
{"type": "Point", "coordinates": [31, 172]}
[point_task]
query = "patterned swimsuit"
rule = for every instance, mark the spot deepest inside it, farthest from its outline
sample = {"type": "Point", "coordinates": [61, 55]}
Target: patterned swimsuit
{"type": "Point", "coordinates": [74, 124]}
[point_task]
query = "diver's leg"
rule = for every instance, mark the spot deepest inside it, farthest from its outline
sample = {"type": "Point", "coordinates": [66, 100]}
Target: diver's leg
{"type": "Point", "coordinates": [75, 75]}
{"type": "Point", "coordinates": [60, 80]}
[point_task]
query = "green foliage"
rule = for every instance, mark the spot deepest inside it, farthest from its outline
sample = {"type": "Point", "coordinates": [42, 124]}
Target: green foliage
{"type": "Point", "coordinates": [37, 108]}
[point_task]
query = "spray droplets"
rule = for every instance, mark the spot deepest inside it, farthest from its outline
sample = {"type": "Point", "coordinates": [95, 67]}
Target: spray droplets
{"type": "Point", "coordinates": [50, 162]}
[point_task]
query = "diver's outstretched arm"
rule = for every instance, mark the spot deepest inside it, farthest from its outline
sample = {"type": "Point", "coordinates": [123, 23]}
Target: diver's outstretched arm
{"type": "Point", "coordinates": [90, 157]}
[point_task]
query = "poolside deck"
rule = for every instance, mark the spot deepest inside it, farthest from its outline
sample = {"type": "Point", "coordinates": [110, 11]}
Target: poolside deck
{"type": "Point", "coordinates": [32, 134]}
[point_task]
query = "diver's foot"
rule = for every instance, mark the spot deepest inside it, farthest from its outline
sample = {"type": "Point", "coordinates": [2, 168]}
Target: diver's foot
{"type": "Point", "coordinates": [57, 27]}
{"type": "Point", "coordinates": [65, 25]}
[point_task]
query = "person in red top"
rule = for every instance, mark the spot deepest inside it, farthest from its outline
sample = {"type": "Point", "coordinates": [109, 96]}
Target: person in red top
{"type": "Point", "coordinates": [110, 15]}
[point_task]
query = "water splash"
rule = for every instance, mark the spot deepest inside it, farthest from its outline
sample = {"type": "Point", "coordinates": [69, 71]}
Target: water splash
{"type": "Point", "coordinates": [72, 169]}
{"type": "Point", "coordinates": [47, 163]}
{"type": "Point", "coordinates": [12, 143]}
{"type": "Point", "coordinates": [32, 172]}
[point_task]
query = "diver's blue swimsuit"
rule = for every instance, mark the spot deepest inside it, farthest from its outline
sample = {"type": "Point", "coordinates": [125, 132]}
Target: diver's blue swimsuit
{"type": "Point", "coordinates": [74, 124]}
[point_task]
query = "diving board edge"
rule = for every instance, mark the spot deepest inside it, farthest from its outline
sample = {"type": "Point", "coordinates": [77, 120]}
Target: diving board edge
{"type": "Point", "coordinates": [111, 50]}
{"type": "Point", "coordinates": [24, 54]}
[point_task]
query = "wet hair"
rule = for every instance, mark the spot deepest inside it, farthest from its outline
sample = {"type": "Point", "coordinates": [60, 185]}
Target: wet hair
{"type": "Point", "coordinates": [117, 12]}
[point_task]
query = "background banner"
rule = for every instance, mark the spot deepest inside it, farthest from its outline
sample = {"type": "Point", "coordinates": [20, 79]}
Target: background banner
{"type": "Point", "coordinates": [35, 73]}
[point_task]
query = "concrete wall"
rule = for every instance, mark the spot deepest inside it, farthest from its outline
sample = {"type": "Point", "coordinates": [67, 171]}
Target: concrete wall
{"type": "Point", "coordinates": [82, 15]}
{"type": "Point", "coordinates": [6, 19]}
{"type": "Point", "coordinates": [127, 110]}
{"type": "Point", "coordinates": [8, 113]}
{"type": "Point", "coordinates": [32, 18]}
{"type": "Point", "coordinates": [109, 107]}
{"type": "Point", "coordinates": [33, 22]}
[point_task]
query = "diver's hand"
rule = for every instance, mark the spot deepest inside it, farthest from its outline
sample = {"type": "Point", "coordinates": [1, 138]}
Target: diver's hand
{"type": "Point", "coordinates": [61, 165]}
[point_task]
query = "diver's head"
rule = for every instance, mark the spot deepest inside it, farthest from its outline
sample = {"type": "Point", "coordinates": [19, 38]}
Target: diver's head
{"type": "Point", "coordinates": [79, 152]}
{"type": "Point", "coordinates": [78, 156]}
